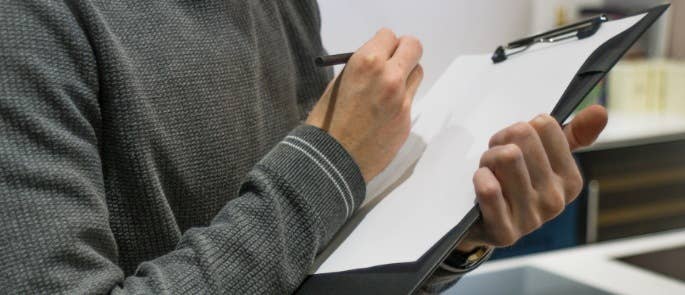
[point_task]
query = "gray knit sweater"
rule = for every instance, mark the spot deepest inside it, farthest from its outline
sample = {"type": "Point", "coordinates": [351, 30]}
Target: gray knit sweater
{"type": "Point", "coordinates": [154, 147]}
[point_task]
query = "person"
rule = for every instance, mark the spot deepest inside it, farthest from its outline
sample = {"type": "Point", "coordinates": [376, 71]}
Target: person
{"type": "Point", "coordinates": [159, 147]}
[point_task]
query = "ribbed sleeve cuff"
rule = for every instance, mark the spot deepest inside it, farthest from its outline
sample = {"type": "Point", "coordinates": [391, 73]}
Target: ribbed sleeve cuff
{"type": "Point", "coordinates": [320, 169]}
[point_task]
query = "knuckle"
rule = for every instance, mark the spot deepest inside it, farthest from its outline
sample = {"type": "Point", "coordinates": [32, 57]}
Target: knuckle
{"type": "Point", "coordinates": [509, 154]}
{"type": "Point", "coordinates": [486, 159]}
{"type": "Point", "coordinates": [552, 204]}
{"type": "Point", "coordinates": [520, 130]}
{"type": "Point", "coordinates": [487, 191]}
{"type": "Point", "coordinates": [496, 139]}
{"type": "Point", "coordinates": [388, 33]}
{"type": "Point", "coordinates": [413, 42]}
{"type": "Point", "coordinates": [544, 121]}
{"type": "Point", "coordinates": [392, 83]}
{"type": "Point", "coordinates": [370, 63]}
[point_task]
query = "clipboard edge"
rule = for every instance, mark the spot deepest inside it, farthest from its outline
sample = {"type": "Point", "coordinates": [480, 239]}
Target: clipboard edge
{"type": "Point", "coordinates": [568, 100]}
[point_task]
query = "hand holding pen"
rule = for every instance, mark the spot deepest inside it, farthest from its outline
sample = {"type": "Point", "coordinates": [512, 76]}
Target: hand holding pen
{"type": "Point", "coordinates": [367, 107]}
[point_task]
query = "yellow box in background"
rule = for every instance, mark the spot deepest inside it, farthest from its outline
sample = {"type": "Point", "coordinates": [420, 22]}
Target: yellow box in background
{"type": "Point", "coordinates": [647, 87]}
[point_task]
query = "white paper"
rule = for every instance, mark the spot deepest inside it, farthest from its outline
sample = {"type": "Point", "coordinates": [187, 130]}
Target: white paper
{"type": "Point", "coordinates": [472, 100]}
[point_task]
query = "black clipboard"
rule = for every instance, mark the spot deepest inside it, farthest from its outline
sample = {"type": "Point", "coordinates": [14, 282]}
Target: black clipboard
{"type": "Point", "coordinates": [407, 278]}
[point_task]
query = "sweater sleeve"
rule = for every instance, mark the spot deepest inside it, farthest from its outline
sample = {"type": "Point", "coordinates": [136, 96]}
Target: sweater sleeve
{"type": "Point", "coordinates": [53, 205]}
{"type": "Point", "coordinates": [265, 241]}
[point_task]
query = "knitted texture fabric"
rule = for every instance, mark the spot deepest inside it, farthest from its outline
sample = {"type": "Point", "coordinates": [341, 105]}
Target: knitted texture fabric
{"type": "Point", "coordinates": [143, 148]}
{"type": "Point", "coordinates": [156, 147]}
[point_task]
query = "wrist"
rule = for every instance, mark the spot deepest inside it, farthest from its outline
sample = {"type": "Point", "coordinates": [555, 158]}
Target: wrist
{"type": "Point", "coordinates": [317, 164]}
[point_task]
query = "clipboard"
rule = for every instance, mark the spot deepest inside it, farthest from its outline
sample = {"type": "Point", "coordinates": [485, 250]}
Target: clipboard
{"type": "Point", "coordinates": [407, 278]}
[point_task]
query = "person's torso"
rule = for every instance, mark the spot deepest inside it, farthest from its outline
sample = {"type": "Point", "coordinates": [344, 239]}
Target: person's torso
{"type": "Point", "coordinates": [192, 95]}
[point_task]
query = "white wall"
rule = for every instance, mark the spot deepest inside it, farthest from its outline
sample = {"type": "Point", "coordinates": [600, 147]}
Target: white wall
{"type": "Point", "coordinates": [447, 28]}
{"type": "Point", "coordinates": [545, 12]}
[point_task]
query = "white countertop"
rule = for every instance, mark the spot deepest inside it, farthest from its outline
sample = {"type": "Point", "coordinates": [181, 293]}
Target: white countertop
{"type": "Point", "coordinates": [595, 265]}
{"type": "Point", "coordinates": [635, 129]}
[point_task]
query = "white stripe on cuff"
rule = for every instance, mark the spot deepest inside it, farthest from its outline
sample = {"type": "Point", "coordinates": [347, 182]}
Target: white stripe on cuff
{"type": "Point", "coordinates": [347, 187]}
{"type": "Point", "coordinates": [347, 207]}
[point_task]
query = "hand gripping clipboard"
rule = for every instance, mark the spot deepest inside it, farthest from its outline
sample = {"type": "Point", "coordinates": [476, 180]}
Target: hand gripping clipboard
{"type": "Point", "coordinates": [407, 278]}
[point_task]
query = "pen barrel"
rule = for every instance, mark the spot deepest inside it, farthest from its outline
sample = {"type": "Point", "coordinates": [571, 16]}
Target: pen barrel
{"type": "Point", "coordinates": [331, 60]}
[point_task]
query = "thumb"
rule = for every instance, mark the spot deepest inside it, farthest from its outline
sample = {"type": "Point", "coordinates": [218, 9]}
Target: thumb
{"type": "Point", "coordinates": [586, 126]}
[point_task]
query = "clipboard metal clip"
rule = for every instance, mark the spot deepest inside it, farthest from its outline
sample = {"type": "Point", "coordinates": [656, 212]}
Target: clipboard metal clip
{"type": "Point", "coordinates": [581, 29]}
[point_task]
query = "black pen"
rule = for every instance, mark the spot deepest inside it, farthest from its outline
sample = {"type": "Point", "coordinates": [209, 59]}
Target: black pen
{"type": "Point", "coordinates": [331, 60]}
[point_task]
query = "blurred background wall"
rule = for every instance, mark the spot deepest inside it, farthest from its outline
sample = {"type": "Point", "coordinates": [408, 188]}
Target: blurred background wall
{"type": "Point", "coordinates": [447, 28]}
